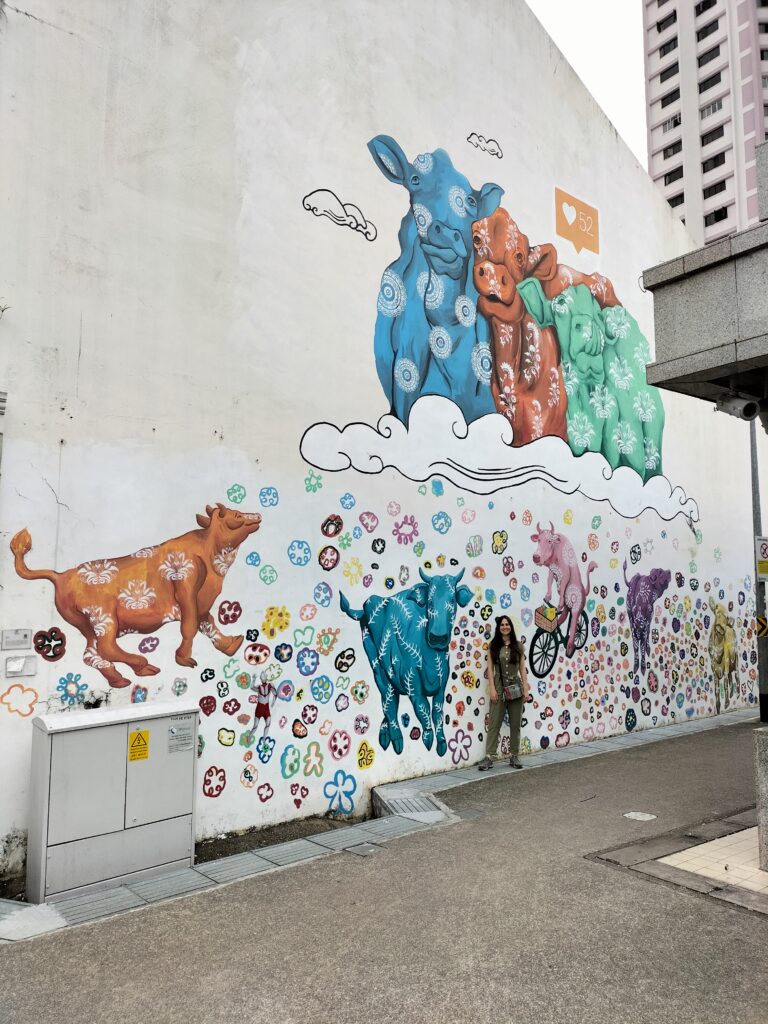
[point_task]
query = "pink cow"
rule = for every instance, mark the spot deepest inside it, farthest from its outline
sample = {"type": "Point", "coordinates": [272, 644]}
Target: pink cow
{"type": "Point", "coordinates": [556, 553]}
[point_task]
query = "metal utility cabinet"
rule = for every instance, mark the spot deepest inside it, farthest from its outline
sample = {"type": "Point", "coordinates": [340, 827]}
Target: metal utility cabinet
{"type": "Point", "coordinates": [112, 796]}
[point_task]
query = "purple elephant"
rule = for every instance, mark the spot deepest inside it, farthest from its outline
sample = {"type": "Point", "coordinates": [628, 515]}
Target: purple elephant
{"type": "Point", "coordinates": [642, 593]}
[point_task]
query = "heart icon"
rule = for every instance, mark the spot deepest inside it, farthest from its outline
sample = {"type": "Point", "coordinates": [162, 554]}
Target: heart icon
{"type": "Point", "coordinates": [297, 803]}
{"type": "Point", "coordinates": [304, 792]}
{"type": "Point", "coordinates": [569, 212]}
{"type": "Point", "coordinates": [423, 489]}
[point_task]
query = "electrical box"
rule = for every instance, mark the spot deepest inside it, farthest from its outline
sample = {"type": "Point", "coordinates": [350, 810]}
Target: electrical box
{"type": "Point", "coordinates": [112, 797]}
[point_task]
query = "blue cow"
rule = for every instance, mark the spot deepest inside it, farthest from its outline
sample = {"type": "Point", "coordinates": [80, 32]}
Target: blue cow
{"type": "Point", "coordinates": [429, 339]}
{"type": "Point", "coordinates": [406, 637]}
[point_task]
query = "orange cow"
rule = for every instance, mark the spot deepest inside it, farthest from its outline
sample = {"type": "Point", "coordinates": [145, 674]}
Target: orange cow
{"type": "Point", "coordinates": [527, 380]}
{"type": "Point", "coordinates": [176, 581]}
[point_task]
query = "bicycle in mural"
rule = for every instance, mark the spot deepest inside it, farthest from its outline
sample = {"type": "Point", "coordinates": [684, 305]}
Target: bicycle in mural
{"type": "Point", "coordinates": [549, 638]}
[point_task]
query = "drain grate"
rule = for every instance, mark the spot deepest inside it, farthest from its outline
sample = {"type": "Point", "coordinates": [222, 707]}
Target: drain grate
{"type": "Point", "coordinates": [410, 804]}
{"type": "Point", "coordinates": [229, 869]}
{"type": "Point", "coordinates": [176, 883]}
{"type": "Point", "coordinates": [93, 905]}
{"type": "Point", "coordinates": [292, 852]}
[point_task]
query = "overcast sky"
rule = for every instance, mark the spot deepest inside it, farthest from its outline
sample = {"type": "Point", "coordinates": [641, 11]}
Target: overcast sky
{"type": "Point", "coordinates": [602, 40]}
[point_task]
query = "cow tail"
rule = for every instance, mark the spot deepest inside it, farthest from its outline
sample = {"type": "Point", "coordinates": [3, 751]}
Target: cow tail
{"type": "Point", "coordinates": [21, 543]}
{"type": "Point", "coordinates": [625, 572]}
{"type": "Point", "coordinates": [345, 607]}
{"type": "Point", "coordinates": [590, 567]}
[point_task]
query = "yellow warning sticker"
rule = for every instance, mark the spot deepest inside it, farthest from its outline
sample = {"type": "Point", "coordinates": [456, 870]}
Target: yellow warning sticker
{"type": "Point", "coordinates": [138, 745]}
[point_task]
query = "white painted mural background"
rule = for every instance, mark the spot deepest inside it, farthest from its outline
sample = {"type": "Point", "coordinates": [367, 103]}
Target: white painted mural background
{"type": "Point", "coordinates": [178, 320]}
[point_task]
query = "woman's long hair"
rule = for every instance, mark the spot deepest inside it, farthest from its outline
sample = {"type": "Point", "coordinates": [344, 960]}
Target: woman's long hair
{"type": "Point", "coordinates": [497, 642]}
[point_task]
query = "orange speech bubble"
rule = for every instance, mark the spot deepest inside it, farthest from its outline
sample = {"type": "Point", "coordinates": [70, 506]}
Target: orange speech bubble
{"type": "Point", "coordinates": [577, 221]}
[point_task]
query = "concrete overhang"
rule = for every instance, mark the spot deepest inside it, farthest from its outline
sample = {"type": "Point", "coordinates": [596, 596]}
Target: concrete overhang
{"type": "Point", "coordinates": [711, 319]}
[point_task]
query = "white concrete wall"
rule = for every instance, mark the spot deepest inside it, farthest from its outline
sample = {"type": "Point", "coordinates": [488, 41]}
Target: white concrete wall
{"type": "Point", "coordinates": [178, 320]}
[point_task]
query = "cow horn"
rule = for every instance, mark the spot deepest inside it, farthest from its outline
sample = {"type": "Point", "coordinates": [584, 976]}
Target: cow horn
{"type": "Point", "coordinates": [538, 527]}
{"type": "Point", "coordinates": [457, 578]}
{"type": "Point", "coordinates": [209, 509]}
{"type": "Point", "coordinates": [424, 576]}
{"type": "Point", "coordinates": [551, 526]}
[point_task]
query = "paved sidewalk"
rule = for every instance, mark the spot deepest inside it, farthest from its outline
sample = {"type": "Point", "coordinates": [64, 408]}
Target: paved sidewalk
{"type": "Point", "coordinates": [500, 916]}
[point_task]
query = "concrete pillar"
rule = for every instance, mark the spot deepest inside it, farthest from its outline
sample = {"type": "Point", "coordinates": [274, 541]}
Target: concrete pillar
{"type": "Point", "coordinates": [761, 775]}
{"type": "Point", "coordinates": [761, 155]}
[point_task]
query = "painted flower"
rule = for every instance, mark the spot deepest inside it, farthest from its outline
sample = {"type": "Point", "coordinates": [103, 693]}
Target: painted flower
{"type": "Point", "coordinates": [617, 322]}
{"type": "Point", "coordinates": [326, 639]}
{"type": "Point", "coordinates": [313, 482]}
{"type": "Point", "coordinates": [136, 595]}
{"type": "Point", "coordinates": [465, 310]}
{"type": "Point", "coordinates": [365, 755]}
{"type": "Point", "coordinates": [290, 761]}
{"type": "Point", "coordinates": [265, 748]}
{"type": "Point", "coordinates": [71, 689]}
{"type": "Point", "coordinates": [459, 745]}
{"type": "Point", "coordinates": [440, 343]}
{"type": "Point", "coordinates": [553, 394]}
{"type": "Point", "coordinates": [621, 374]}
{"type": "Point", "coordinates": [360, 692]}
{"type": "Point", "coordinates": [406, 375]}
{"type": "Point", "coordinates": [603, 402]}
{"type": "Point", "coordinates": [642, 352]}
{"type": "Point", "coordinates": [98, 619]}
{"type": "Point", "coordinates": [267, 574]}
{"type": "Point", "coordinates": [644, 407]}
{"type": "Point", "coordinates": [570, 379]}
{"type": "Point", "coordinates": [313, 760]}
{"type": "Point", "coordinates": [299, 552]}
{"type": "Point", "coordinates": [624, 438]}
{"type": "Point", "coordinates": [345, 541]}
{"type": "Point", "coordinates": [339, 792]}
{"type": "Point", "coordinates": [268, 497]}
{"type": "Point", "coordinates": [362, 724]}
{"type": "Point", "coordinates": [482, 362]}
{"type": "Point", "coordinates": [580, 430]}
{"type": "Point", "coordinates": [407, 530]}
{"type": "Point", "coordinates": [143, 553]}
{"type": "Point", "coordinates": [353, 570]}
{"type": "Point", "coordinates": [97, 572]}
{"type": "Point", "coordinates": [431, 288]}
{"type": "Point", "coordinates": [265, 792]}
{"type": "Point", "coordinates": [322, 689]}
{"type": "Point", "coordinates": [223, 559]}
{"type": "Point", "coordinates": [423, 219]}
{"type": "Point", "coordinates": [392, 296]}
{"type": "Point", "coordinates": [236, 493]}
{"type": "Point", "coordinates": [247, 738]}
{"type": "Point", "coordinates": [276, 619]}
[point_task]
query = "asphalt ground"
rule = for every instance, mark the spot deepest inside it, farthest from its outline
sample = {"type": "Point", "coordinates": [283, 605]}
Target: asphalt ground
{"type": "Point", "coordinates": [497, 918]}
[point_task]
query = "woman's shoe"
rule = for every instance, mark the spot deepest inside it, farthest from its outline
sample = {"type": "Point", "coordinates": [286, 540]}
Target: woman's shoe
{"type": "Point", "coordinates": [514, 762]}
{"type": "Point", "coordinates": [485, 764]}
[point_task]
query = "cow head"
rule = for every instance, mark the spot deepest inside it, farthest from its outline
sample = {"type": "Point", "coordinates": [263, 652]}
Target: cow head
{"type": "Point", "coordinates": [659, 580]}
{"type": "Point", "coordinates": [547, 541]}
{"type": "Point", "coordinates": [228, 526]}
{"type": "Point", "coordinates": [443, 203]}
{"type": "Point", "coordinates": [722, 618]}
{"type": "Point", "coordinates": [440, 595]}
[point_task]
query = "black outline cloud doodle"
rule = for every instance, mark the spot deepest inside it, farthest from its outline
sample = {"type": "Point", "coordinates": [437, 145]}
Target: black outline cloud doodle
{"type": "Point", "coordinates": [324, 203]}
{"type": "Point", "coordinates": [489, 146]}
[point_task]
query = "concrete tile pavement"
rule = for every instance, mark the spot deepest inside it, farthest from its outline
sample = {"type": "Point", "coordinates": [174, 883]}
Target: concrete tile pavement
{"type": "Point", "coordinates": [496, 917]}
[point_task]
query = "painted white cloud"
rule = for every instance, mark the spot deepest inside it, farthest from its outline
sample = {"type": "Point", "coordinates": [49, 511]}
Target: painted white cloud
{"type": "Point", "coordinates": [479, 457]}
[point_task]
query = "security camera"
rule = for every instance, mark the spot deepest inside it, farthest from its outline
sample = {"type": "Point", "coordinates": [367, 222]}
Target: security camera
{"type": "Point", "coordinates": [741, 408]}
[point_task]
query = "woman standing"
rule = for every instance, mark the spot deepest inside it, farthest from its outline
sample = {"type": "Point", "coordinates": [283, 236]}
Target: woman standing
{"type": "Point", "coordinates": [508, 688]}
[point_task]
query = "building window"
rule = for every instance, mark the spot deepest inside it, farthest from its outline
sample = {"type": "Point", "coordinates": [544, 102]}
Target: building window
{"type": "Point", "coordinates": [671, 176]}
{"type": "Point", "coordinates": [709, 55]}
{"type": "Point", "coordinates": [660, 3]}
{"type": "Point", "coordinates": [665, 23]}
{"type": "Point", "coordinates": [671, 122]}
{"type": "Point", "coordinates": [708, 83]}
{"type": "Point", "coordinates": [763, 54]}
{"type": "Point", "coordinates": [669, 72]}
{"type": "Point", "coordinates": [703, 5]}
{"type": "Point", "coordinates": [715, 216]}
{"type": "Point", "coordinates": [670, 97]}
{"type": "Point", "coordinates": [674, 148]}
{"type": "Point", "coordinates": [765, 110]}
{"type": "Point", "coordinates": [707, 30]}
{"type": "Point", "coordinates": [713, 136]}
{"type": "Point", "coordinates": [713, 190]}
{"type": "Point", "coordinates": [711, 108]}
{"type": "Point", "coordinates": [713, 162]}
{"type": "Point", "coordinates": [763, 27]}
{"type": "Point", "coordinates": [668, 47]}
{"type": "Point", "coordinates": [677, 200]}
{"type": "Point", "coordinates": [765, 81]}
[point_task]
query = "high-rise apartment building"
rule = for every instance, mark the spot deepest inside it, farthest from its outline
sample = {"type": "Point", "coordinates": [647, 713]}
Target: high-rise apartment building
{"type": "Point", "coordinates": [706, 86]}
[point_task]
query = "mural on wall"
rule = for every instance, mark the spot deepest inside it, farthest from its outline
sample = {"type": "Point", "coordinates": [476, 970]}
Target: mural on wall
{"type": "Point", "coordinates": [406, 639]}
{"type": "Point", "coordinates": [490, 146]}
{"type": "Point", "coordinates": [176, 581]}
{"type": "Point", "coordinates": [474, 323]}
{"type": "Point", "coordinates": [503, 368]}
